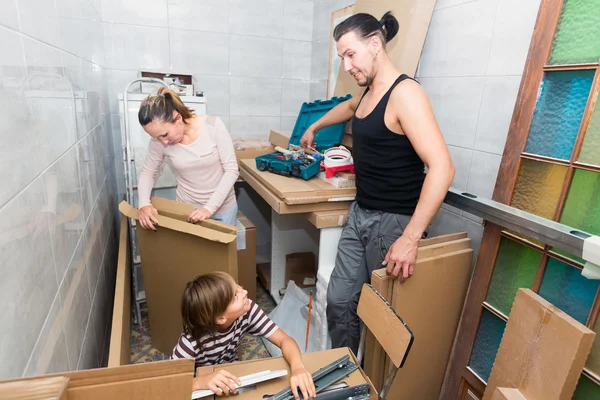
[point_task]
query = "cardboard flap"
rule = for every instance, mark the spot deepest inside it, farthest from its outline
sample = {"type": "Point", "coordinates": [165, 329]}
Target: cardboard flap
{"type": "Point", "coordinates": [180, 226]}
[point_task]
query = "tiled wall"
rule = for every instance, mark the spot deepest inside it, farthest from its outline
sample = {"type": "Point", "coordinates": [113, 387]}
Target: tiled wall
{"type": "Point", "coordinates": [251, 58]}
{"type": "Point", "coordinates": [58, 192]}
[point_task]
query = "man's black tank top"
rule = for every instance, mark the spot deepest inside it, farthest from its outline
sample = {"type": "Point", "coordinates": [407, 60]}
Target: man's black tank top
{"type": "Point", "coordinates": [389, 172]}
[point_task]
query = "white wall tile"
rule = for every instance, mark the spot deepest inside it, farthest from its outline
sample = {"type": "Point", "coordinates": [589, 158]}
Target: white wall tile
{"type": "Point", "coordinates": [258, 97]}
{"type": "Point", "coordinates": [320, 60]}
{"type": "Point", "coordinates": [136, 12]}
{"type": "Point", "coordinates": [512, 36]}
{"type": "Point", "coordinates": [78, 36]}
{"type": "Point", "coordinates": [322, 20]}
{"type": "Point", "coordinates": [253, 56]}
{"type": "Point", "coordinates": [318, 90]}
{"type": "Point", "coordinates": [136, 47]}
{"type": "Point", "coordinates": [9, 15]}
{"type": "Point", "coordinates": [117, 82]}
{"type": "Point", "coordinates": [216, 91]}
{"type": "Point", "coordinates": [444, 222]}
{"type": "Point", "coordinates": [201, 15]}
{"type": "Point", "coordinates": [449, 3]}
{"type": "Point", "coordinates": [297, 59]}
{"type": "Point", "coordinates": [242, 126]}
{"type": "Point", "coordinates": [28, 285]}
{"type": "Point", "coordinates": [293, 94]}
{"type": "Point", "coordinates": [298, 19]}
{"type": "Point", "coordinates": [456, 103]}
{"type": "Point", "coordinates": [39, 19]}
{"type": "Point", "coordinates": [257, 17]}
{"type": "Point", "coordinates": [42, 57]}
{"type": "Point", "coordinates": [200, 52]}
{"type": "Point", "coordinates": [497, 106]}
{"type": "Point", "coordinates": [483, 173]}
{"type": "Point", "coordinates": [458, 40]}
{"type": "Point", "coordinates": [288, 123]}
{"type": "Point", "coordinates": [76, 9]}
{"type": "Point", "coordinates": [461, 158]}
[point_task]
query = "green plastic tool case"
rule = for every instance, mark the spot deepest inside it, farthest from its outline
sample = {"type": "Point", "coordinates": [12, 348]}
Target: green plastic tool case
{"type": "Point", "coordinates": [325, 138]}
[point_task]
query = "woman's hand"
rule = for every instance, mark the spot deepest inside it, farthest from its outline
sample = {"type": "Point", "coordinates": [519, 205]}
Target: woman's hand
{"type": "Point", "coordinates": [220, 382]}
{"type": "Point", "coordinates": [302, 379]}
{"type": "Point", "coordinates": [147, 217]}
{"type": "Point", "coordinates": [199, 215]}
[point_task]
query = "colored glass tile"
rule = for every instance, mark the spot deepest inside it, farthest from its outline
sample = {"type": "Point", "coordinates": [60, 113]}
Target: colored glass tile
{"type": "Point", "coordinates": [561, 102]}
{"type": "Point", "coordinates": [565, 287]}
{"type": "Point", "coordinates": [577, 37]}
{"type": "Point", "coordinates": [487, 342]}
{"type": "Point", "coordinates": [586, 389]}
{"type": "Point", "coordinates": [590, 151]}
{"type": "Point", "coordinates": [516, 267]}
{"type": "Point", "coordinates": [538, 187]}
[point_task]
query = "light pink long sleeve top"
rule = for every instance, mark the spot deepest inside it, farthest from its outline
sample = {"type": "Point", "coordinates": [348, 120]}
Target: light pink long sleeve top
{"type": "Point", "coordinates": [205, 170]}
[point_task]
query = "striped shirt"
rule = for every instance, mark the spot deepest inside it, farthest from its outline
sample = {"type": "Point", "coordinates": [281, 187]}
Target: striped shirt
{"type": "Point", "coordinates": [222, 347]}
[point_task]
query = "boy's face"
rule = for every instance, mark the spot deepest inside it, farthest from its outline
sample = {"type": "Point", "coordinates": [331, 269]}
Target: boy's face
{"type": "Point", "coordinates": [240, 305]}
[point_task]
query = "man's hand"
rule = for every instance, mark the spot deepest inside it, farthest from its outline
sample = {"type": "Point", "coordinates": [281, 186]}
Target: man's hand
{"type": "Point", "coordinates": [199, 215]}
{"type": "Point", "coordinates": [302, 379]}
{"type": "Point", "coordinates": [308, 138]}
{"type": "Point", "coordinates": [220, 382]}
{"type": "Point", "coordinates": [401, 259]}
{"type": "Point", "coordinates": [147, 216]}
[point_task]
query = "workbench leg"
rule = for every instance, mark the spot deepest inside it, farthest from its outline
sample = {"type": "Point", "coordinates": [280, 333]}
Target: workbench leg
{"type": "Point", "coordinates": [290, 233]}
{"type": "Point", "coordinates": [328, 245]}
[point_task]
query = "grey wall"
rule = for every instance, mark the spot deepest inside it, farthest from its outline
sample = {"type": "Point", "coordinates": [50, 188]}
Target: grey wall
{"type": "Point", "coordinates": [57, 242]}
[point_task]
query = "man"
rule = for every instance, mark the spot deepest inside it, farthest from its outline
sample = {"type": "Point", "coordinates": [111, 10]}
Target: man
{"type": "Point", "coordinates": [395, 135]}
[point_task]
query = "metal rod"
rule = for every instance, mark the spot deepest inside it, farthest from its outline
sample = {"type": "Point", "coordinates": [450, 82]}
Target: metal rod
{"type": "Point", "coordinates": [388, 382]}
{"type": "Point", "coordinates": [550, 232]}
{"type": "Point", "coordinates": [361, 345]}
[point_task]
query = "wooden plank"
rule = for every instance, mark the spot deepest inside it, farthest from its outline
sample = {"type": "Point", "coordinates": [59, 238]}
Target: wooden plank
{"type": "Point", "coordinates": [296, 190]}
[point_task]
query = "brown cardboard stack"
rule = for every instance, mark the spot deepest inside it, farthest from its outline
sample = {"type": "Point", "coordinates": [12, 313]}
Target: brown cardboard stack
{"type": "Point", "coordinates": [430, 303]}
{"type": "Point", "coordinates": [174, 254]}
{"type": "Point", "coordinates": [542, 352]}
{"type": "Point", "coordinates": [247, 257]}
{"type": "Point", "coordinates": [508, 394]}
{"type": "Point", "coordinates": [54, 388]}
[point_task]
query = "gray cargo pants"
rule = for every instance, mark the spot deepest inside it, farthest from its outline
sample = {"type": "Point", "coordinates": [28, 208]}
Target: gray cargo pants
{"type": "Point", "coordinates": [365, 240]}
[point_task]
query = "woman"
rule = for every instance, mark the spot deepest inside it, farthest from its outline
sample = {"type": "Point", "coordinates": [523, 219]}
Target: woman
{"type": "Point", "coordinates": [200, 152]}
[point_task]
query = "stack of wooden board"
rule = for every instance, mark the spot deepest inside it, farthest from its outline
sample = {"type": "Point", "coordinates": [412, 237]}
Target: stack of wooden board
{"type": "Point", "coordinates": [430, 303]}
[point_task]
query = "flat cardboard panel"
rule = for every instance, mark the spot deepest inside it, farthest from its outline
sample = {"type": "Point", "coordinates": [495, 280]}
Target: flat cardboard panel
{"type": "Point", "coordinates": [247, 258]}
{"type": "Point", "coordinates": [542, 352]}
{"type": "Point", "coordinates": [405, 49]}
{"type": "Point", "coordinates": [328, 219]}
{"type": "Point", "coordinates": [54, 388]}
{"type": "Point", "coordinates": [508, 394]}
{"type": "Point", "coordinates": [120, 334]}
{"type": "Point", "coordinates": [171, 256]}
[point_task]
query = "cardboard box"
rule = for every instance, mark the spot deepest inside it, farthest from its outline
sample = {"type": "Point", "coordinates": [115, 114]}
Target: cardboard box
{"type": "Point", "coordinates": [301, 268]}
{"type": "Point", "coordinates": [54, 388]}
{"type": "Point", "coordinates": [173, 255]}
{"type": "Point", "coordinates": [247, 257]}
{"type": "Point", "coordinates": [149, 381]}
{"type": "Point", "coordinates": [542, 352]}
{"type": "Point", "coordinates": [508, 394]}
{"type": "Point", "coordinates": [430, 303]}
{"type": "Point", "coordinates": [312, 361]}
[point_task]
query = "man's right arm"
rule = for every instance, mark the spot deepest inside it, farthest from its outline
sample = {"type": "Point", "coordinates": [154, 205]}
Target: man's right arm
{"type": "Point", "coordinates": [340, 113]}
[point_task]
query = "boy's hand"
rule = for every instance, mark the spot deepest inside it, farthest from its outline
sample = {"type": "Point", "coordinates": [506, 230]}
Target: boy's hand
{"type": "Point", "coordinates": [302, 379]}
{"type": "Point", "coordinates": [220, 382]}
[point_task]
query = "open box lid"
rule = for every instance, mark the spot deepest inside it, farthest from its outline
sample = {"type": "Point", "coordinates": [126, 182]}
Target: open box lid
{"type": "Point", "coordinates": [327, 137]}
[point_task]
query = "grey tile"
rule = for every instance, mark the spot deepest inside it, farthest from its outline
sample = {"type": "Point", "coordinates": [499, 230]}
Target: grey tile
{"type": "Point", "coordinates": [258, 17]}
{"type": "Point", "coordinates": [461, 158]}
{"type": "Point", "coordinates": [28, 286]}
{"type": "Point", "coordinates": [296, 59]}
{"type": "Point", "coordinates": [253, 56]}
{"type": "Point", "coordinates": [89, 355]}
{"type": "Point", "coordinates": [201, 15]}
{"type": "Point", "coordinates": [248, 127]}
{"type": "Point", "coordinates": [319, 68]}
{"type": "Point", "coordinates": [318, 90]}
{"type": "Point", "coordinates": [475, 233]}
{"type": "Point", "coordinates": [298, 19]}
{"type": "Point", "coordinates": [136, 47]}
{"type": "Point", "coordinates": [293, 94]}
{"type": "Point", "coordinates": [138, 12]}
{"type": "Point", "coordinates": [458, 40]}
{"type": "Point", "coordinates": [512, 36]}
{"type": "Point", "coordinates": [497, 106]}
{"type": "Point", "coordinates": [456, 103]}
{"type": "Point", "coordinates": [255, 96]}
{"type": "Point", "coordinates": [216, 91]}
{"type": "Point", "coordinates": [210, 54]}
{"type": "Point", "coordinates": [444, 222]}
{"type": "Point", "coordinates": [288, 123]}
{"type": "Point", "coordinates": [483, 173]}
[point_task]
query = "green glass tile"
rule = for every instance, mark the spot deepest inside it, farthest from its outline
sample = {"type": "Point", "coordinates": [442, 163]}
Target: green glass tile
{"type": "Point", "coordinates": [565, 287]}
{"type": "Point", "coordinates": [516, 267]}
{"type": "Point", "coordinates": [582, 206]}
{"type": "Point", "coordinates": [487, 342]}
{"type": "Point", "coordinates": [590, 152]}
{"type": "Point", "coordinates": [577, 37]}
{"type": "Point", "coordinates": [558, 113]}
{"type": "Point", "coordinates": [593, 361]}
{"type": "Point", "coordinates": [586, 390]}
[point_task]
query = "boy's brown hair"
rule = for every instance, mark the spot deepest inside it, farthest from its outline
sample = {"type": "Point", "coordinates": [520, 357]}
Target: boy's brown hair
{"type": "Point", "coordinates": [204, 299]}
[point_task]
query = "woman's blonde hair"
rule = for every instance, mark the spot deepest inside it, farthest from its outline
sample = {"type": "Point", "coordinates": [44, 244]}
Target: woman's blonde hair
{"type": "Point", "coordinates": [162, 107]}
{"type": "Point", "coordinates": [204, 299]}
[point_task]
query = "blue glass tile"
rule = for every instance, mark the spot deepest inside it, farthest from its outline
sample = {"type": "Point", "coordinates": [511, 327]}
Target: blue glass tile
{"type": "Point", "coordinates": [487, 342]}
